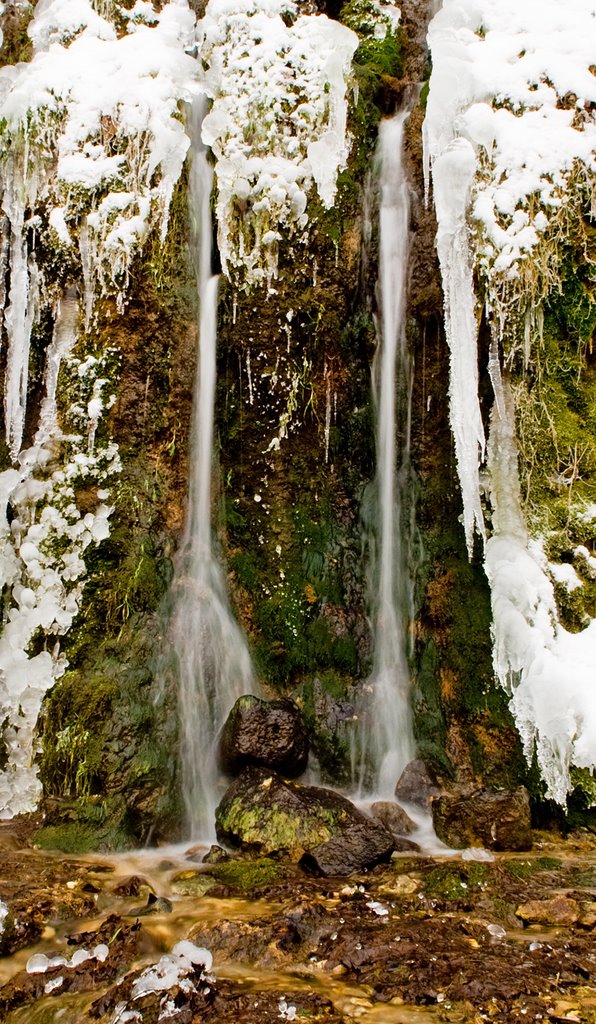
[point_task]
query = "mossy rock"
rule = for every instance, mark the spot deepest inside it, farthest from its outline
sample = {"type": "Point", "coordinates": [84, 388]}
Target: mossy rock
{"type": "Point", "coordinates": [263, 814]}
{"type": "Point", "coordinates": [249, 876]}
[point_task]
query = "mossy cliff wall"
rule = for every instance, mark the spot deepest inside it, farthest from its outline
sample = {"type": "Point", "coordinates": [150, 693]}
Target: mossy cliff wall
{"type": "Point", "coordinates": [294, 464]}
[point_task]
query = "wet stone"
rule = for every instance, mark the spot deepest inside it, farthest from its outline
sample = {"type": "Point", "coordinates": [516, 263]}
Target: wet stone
{"type": "Point", "coordinates": [560, 910]}
{"type": "Point", "coordinates": [269, 734]}
{"type": "Point", "coordinates": [215, 855]}
{"type": "Point", "coordinates": [131, 886]}
{"type": "Point", "coordinates": [393, 817]}
{"type": "Point", "coordinates": [262, 813]}
{"type": "Point", "coordinates": [494, 819]}
{"type": "Point", "coordinates": [416, 784]}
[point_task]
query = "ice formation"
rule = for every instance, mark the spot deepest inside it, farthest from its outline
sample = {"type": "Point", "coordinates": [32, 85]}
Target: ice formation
{"type": "Point", "coordinates": [510, 138]}
{"type": "Point", "coordinates": [91, 141]}
{"type": "Point", "coordinates": [43, 537]}
{"type": "Point", "coordinates": [278, 80]}
{"type": "Point", "coordinates": [91, 147]}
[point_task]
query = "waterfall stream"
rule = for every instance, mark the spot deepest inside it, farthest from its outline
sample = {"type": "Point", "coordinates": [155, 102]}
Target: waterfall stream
{"type": "Point", "coordinates": [214, 666]}
{"type": "Point", "coordinates": [387, 741]}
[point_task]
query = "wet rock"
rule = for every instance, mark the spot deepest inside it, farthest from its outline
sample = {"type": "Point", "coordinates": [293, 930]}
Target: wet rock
{"type": "Point", "coordinates": [131, 886]}
{"type": "Point", "coordinates": [560, 910]}
{"type": "Point", "coordinates": [416, 784]}
{"type": "Point", "coordinates": [98, 960]}
{"type": "Point", "coordinates": [155, 905]}
{"type": "Point", "coordinates": [405, 845]}
{"type": "Point", "coordinates": [215, 855]}
{"type": "Point", "coordinates": [262, 813]}
{"type": "Point", "coordinates": [271, 734]}
{"type": "Point", "coordinates": [587, 917]}
{"type": "Point", "coordinates": [495, 819]}
{"type": "Point", "coordinates": [393, 817]}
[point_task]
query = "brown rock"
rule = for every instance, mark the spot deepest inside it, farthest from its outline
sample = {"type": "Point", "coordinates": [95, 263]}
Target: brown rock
{"type": "Point", "coordinates": [393, 817]}
{"type": "Point", "coordinates": [560, 910]}
{"type": "Point", "coordinates": [495, 819]}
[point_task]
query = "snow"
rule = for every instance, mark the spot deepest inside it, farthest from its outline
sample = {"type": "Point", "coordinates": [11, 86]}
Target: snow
{"type": "Point", "coordinates": [277, 124]}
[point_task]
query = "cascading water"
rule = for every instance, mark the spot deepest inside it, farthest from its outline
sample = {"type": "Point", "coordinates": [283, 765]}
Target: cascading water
{"type": "Point", "coordinates": [387, 742]}
{"type": "Point", "coordinates": [214, 666]}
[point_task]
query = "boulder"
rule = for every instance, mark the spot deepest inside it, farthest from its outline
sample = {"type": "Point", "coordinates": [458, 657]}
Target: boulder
{"type": "Point", "coordinates": [393, 817]}
{"type": "Point", "coordinates": [262, 813]}
{"type": "Point", "coordinates": [270, 734]}
{"type": "Point", "coordinates": [495, 819]}
{"type": "Point", "coordinates": [416, 784]}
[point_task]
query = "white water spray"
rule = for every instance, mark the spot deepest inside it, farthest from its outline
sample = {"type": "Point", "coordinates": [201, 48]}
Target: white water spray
{"type": "Point", "coordinates": [388, 742]}
{"type": "Point", "coordinates": [214, 666]}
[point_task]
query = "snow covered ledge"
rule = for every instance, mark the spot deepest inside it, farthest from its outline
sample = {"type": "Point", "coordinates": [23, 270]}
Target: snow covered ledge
{"type": "Point", "coordinates": [278, 80]}
{"type": "Point", "coordinates": [509, 133]}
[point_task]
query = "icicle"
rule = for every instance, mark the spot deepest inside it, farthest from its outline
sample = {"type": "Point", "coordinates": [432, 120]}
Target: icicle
{"type": "Point", "coordinates": [327, 411]}
{"type": "Point", "coordinates": [63, 341]}
{"type": "Point", "coordinates": [21, 312]}
{"type": "Point", "coordinates": [249, 375]}
{"type": "Point", "coordinates": [453, 173]}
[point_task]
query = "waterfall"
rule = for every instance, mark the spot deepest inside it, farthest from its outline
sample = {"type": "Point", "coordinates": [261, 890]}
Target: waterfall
{"type": "Point", "coordinates": [387, 741]}
{"type": "Point", "coordinates": [213, 663]}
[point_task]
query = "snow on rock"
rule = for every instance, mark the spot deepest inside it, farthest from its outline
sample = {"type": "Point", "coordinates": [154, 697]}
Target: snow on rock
{"type": "Point", "coordinates": [508, 122]}
{"type": "Point", "coordinates": [514, 80]}
{"type": "Point", "coordinates": [278, 80]}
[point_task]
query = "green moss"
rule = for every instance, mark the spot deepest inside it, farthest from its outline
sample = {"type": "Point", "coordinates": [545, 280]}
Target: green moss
{"type": "Point", "coordinates": [248, 876]}
{"type": "Point", "coordinates": [380, 55]}
{"type": "Point", "coordinates": [69, 838]}
{"type": "Point", "coordinates": [526, 868]}
{"type": "Point", "coordinates": [453, 882]}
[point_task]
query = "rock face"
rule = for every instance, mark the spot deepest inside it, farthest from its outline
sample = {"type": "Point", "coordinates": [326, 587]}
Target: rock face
{"type": "Point", "coordinates": [269, 734]}
{"type": "Point", "coordinates": [264, 814]}
{"type": "Point", "coordinates": [416, 785]}
{"type": "Point", "coordinates": [496, 819]}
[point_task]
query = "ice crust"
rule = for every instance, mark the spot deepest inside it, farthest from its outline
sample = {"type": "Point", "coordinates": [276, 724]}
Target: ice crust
{"type": "Point", "coordinates": [509, 132]}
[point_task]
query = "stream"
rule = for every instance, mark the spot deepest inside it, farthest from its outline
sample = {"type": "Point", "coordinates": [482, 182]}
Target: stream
{"type": "Point", "coordinates": [417, 941]}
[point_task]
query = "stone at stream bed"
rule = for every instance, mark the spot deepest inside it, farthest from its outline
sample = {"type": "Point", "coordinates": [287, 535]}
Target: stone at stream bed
{"type": "Point", "coordinates": [495, 819]}
{"type": "Point", "coordinates": [560, 910]}
{"type": "Point", "coordinates": [262, 813]}
{"type": "Point", "coordinates": [393, 817]}
{"type": "Point", "coordinates": [215, 855]}
{"type": "Point", "coordinates": [271, 734]}
{"type": "Point", "coordinates": [416, 784]}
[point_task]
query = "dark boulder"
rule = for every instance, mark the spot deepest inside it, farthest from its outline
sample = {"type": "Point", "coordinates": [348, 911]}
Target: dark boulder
{"type": "Point", "coordinates": [416, 784]}
{"type": "Point", "coordinates": [393, 817]}
{"type": "Point", "coordinates": [496, 819]}
{"type": "Point", "coordinates": [262, 813]}
{"type": "Point", "coordinates": [268, 734]}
